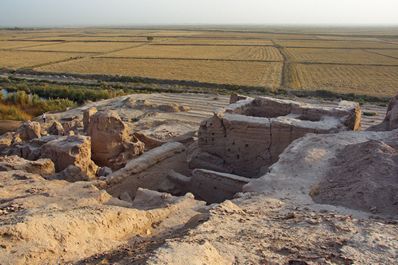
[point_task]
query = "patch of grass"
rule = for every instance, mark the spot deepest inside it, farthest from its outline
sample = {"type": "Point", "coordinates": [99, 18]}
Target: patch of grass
{"type": "Point", "coordinates": [77, 94]}
{"type": "Point", "coordinates": [21, 106]}
{"type": "Point", "coordinates": [8, 112]}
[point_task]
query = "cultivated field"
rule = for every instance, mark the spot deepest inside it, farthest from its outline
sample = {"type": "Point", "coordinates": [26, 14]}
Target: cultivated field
{"type": "Point", "coordinates": [201, 52]}
{"type": "Point", "coordinates": [4, 45]}
{"type": "Point", "coordinates": [265, 74]}
{"type": "Point", "coordinates": [344, 56]}
{"type": "Point", "coordinates": [87, 47]}
{"type": "Point", "coordinates": [215, 42]}
{"type": "Point", "coordinates": [369, 80]}
{"type": "Point", "coordinates": [350, 60]}
{"type": "Point", "coordinates": [389, 53]}
{"type": "Point", "coordinates": [16, 60]}
{"type": "Point", "coordinates": [342, 44]}
{"type": "Point", "coordinates": [95, 38]}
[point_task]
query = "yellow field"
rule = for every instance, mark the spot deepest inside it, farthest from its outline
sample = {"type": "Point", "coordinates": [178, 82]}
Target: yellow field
{"type": "Point", "coordinates": [18, 44]}
{"type": "Point", "coordinates": [370, 80]}
{"type": "Point", "coordinates": [391, 53]}
{"type": "Point", "coordinates": [90, 38]}
{"type": "Point", "coordinates": [201, 52]}
{"type": "Point", "coordinates": [83, 47]}
{"type": "Point", "coordinates": [162, 33]}
{"type": "Point", "coordinates": [253, 35]}
{"type": "Point", "coordinates": [239, 73]}
{"type": "Point", "coordinates": [209, 42]}
{"type": "Point", "coordinates": [349, 56]}
{"type": "Point", "coordinates": [15, 59]}
{"type": "Point", "coordinates": [349, 60]}
{"type": "Point", "coordinates": [335, 44]}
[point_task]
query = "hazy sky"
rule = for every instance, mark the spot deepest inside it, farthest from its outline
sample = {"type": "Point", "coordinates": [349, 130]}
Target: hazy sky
{"type": "Point", "coordinates": [156, 12]}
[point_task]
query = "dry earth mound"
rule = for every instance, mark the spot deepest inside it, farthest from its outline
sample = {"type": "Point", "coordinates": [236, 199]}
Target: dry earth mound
{"type": "Point", "coordinates": [363, 176]}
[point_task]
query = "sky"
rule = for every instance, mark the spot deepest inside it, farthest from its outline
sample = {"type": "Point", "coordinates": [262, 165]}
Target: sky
{"type": "Point", "coordinates": [36, 13]}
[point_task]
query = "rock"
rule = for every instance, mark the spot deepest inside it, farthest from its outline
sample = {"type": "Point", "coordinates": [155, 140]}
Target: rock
{"type": "Point", "coordinates": [71, 150]}
{"type": "Point", "coordinates": [111, 144]}
{"type": "Point", "coordinates": [390, 122]}
{"type": "Point", "coordinates": [126, 197]}
{"type": "Point", "coordinates": [188, 253]}
{"type": "Point", "coordinates": [72, 127]}
{"type": "Point", "coordinates": [149, 142]}
{"type": "Point", "coordinates": [146, 105]}
{"type": "Point", "coordinates": [104, 172]}
{"type": "Point", "coordinates": [56, 129]}
{"type": "Point", "coordinates": [30, 150]}
{"type": "Point", "coordinates": [6, 140]}
{"type": "Point", "coordinates": [43, 167]}
{"type": "Point", "coordinates": [215, 187]}
{"type": "Point", "coordinates": [132, 149]}
{"type": "Point", "coordinates": [237, 97]}
{"type": "Point", "coordinates": [72, 174]}
{"type": "Point", "coordinates": [147, 160]}
{"type": "Point", "coordinates": [87, 114]}
{"type": "Point", "coordinates": [149, 199]}
{"type": "Point", "coordinates": [29, 130]}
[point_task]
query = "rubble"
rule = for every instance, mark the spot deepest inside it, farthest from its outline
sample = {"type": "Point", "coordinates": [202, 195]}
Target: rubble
{"type": "Point", "coordinates": [71, 150]}
{"type": "Point", "coordinates": [56, 129]}
{"type": "Point", "coordinates": [29, 130]}
{"type": "Point", "coordinates": [146, 160]}
{"type": "Point", "coordinates": [119, 147]}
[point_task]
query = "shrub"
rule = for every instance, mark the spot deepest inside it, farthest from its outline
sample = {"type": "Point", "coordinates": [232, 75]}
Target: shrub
{"type": "Point", "coordinates": [13, 113]}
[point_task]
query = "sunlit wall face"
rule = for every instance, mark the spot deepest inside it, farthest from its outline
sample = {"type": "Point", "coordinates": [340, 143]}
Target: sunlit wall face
{"type": "Point", "coordinates": [157, 12]}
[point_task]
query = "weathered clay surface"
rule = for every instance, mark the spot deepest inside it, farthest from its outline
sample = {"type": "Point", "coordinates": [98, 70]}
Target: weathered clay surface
{"type": "Point", "coordinates": [363, 176]}
{"type": "Point", "coordinates": [43, 167]}
{"type": "Point", "coordinates": [111, 144]}
{"type": "Point", "coordinates": [256, 229]}
{"type": "Point", "coordinates": [57, 222]}
{"type": "Point", "coordinates": [250, 134]}
{"type": "Point", "coordinates": [353, 169]}
{"type": "Point", "coordinates": [71, 150]}
{"type": "Point", "coordinates": [145, 161]}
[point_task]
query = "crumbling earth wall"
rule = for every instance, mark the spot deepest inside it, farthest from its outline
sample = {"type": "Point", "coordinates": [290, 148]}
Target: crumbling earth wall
{"type": "Point", "coordinates": [249, 135]}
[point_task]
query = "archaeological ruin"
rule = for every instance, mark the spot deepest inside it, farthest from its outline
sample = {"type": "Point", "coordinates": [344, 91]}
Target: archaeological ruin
{"type": "Point", "coordinates": [139, 173]}
{"type": "Point", "coordinates": [248, 136]}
